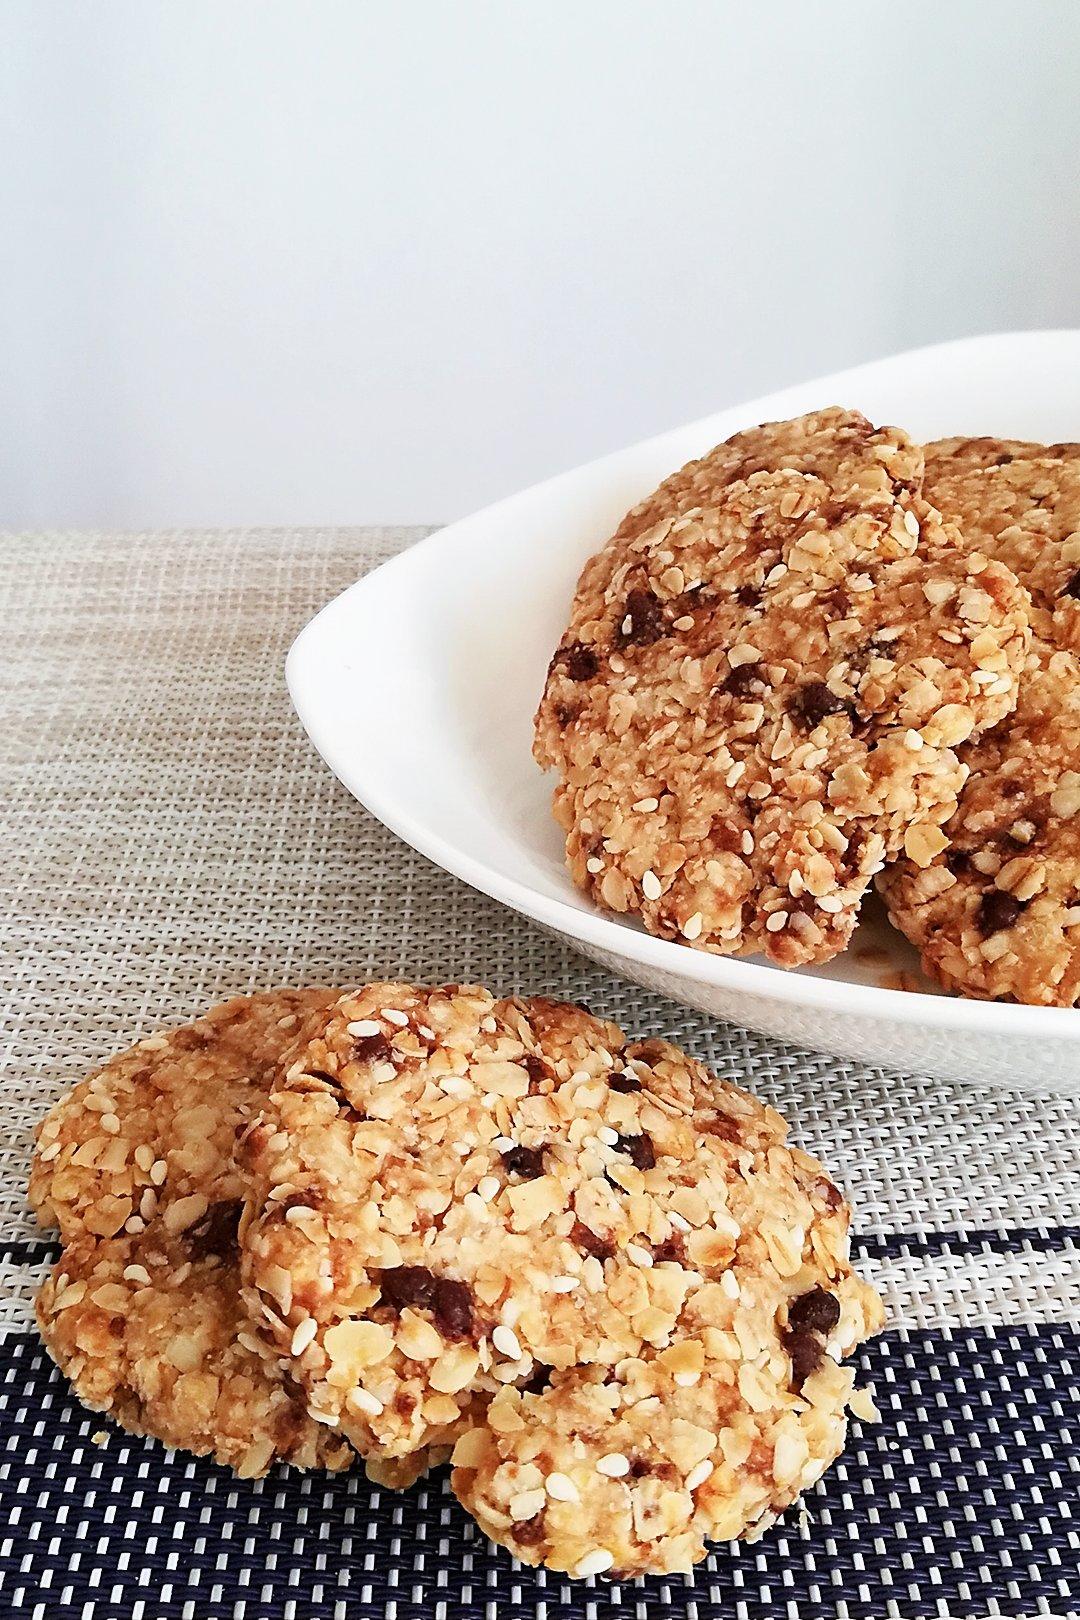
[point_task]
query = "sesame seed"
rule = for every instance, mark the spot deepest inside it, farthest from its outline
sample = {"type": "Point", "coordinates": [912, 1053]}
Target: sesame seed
{"type": "Point", "coordinates": [645, 806]}
{"type": "Point", "coordinates": [564, 1285]}
{"type": "Point", "coordinates": [304, 1333]}
{"type": "Point", "coordinates": [913, 740]}
{"type": "Point", "coordinates": [158, 1171]}
{"type": "Point", "coordinates": [488, 1188]}
{"type": "Point", "coordinates": [640, 1256]}
{"type": "Point", "coordinates": [488, 1025]}
{"type": "Point", "coordinates": [503, 1144]}
{"type": "Point", "coordinates": [747, 842]}
{"type": "Point", "coordinates": [134, 1224]}
{"type": "Point", "coordinates": [364, 1027]}
{"type": "Point", "coordinates": [614, 1465]}
{"type": "Point", "coordinates": [691, 928]}
{"type": "Point", "coordinates": [730, 1284]}
{"type": "Point", "coordinates": [456, 1085]}
{"type": "Point", "coordinates": [329, 1419]}
{"type": "Point", "coordinates": [627, 625]}
{"type": "Point", "coordinates": [561, 1488]}
{"type": "Point", "coordinates": [428, 1034]}
{"type": "Point", "coordinates": [110, 1123]}
{"type": "Point", "coordinates": [362, 1400]}
{"type": "Point", "coordinates": [594, 864]}
{"type": "Point", "coordinates": [686, 622]}
{"type": "Point", "coordinates": [679, 1222]}
{"type": "Point", "coordinates": [594, 1563]}
{"type": "Point", "coordinates": [609, 1137]}
{"type": "Point", "coordinates": [394, 1015]}
{"type": "Point", "coordinates": [650, 886]}
{"type": "Point", "coordinates": [911, 524]}
{"type": "Point", "coordinates": [777, 921]}
{"type": "Point", "coordinates": [505, 1341]}
{"type": "Point", "coordinates": [136, 1274]}
{"type": "Point", "coordinates": [697, 1476]}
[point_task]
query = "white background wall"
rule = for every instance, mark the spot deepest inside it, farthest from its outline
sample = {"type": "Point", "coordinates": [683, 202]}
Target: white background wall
{"type": "Point", "coordinates": [268, 261]}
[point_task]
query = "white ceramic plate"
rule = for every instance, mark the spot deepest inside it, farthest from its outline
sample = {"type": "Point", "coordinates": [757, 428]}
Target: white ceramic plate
{"type": "Point", "coordinates": [418, 687]}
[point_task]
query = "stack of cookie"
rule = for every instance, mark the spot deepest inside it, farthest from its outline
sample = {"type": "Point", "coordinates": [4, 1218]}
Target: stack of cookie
{"type": "Point", "coordinates": [410, 1224]}
{"type": "Point", "coordinates": [824, 654]}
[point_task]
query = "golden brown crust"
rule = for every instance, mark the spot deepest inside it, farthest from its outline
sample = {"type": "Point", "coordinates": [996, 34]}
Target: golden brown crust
{"type": "Point", "coordinates": [458, 1200]}
{"type": "Point", "coordinates": [142, 1312]}
{"type": "Point", "coordinates": [765, 675]}
{"type": "Point", "coordinates": [157, 1123]}
{"type": "Point", "coordinates": [997, 913]}
{"type": "Point", "coordinates": [1018, 503]}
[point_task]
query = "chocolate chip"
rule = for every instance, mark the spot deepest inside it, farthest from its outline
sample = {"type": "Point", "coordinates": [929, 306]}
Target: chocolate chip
{"type": "Point", "coordinates": [813, 702]}
{"type": "Point", "coordinates": [639, 1468]}
{"type": "Point", "coordinates": [1073, 586]}
{"type": "Point", "coordinates": [641, 621]}
{"type": "Point", "coordinates": [624, 1082]}
{"type": "Point", "coordinates": [449, 1302]}
{"type": "Point", "coordinates": [807, 1353]}
{"type": "Point", "coordinates": [371, 1049]}
{"type": "Point", "coordinates": [748, 595]}
{"type": "Point", "coordinates": [997, 910]}
{"type": "Point", "coordinates": [217, 1232]}
{"type": "Point", "coordinates": [958, 860]}
{"type": "Point", "coordinates": [525, 1162]}
{"type": "Point", "coordinates": [672, 1248]}
{"type": "Point", "coordinates": [639, 1150]}
{"type": "Point", "coordinates": [539, 1381]}
{"type": "Point", "coordinates": [578, 662]}
{"type": "Point", "coordinates": [818, 1309]}
{"type": "Point", "coordinates": [564, 715]}
{"type": "Point", "coordinates": [536, 1069]}
{"type": "Point", "coordinates": [741, 681]}
{"type": "Point", "coordinates": [591, 1242]}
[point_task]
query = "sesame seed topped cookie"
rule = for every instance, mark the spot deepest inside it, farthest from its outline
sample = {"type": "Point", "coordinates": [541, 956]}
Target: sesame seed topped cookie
{"type": "Point", "coordinates": [155, 1126]}
{"type": "Point", "coordinates": [996, 914]}
{"type": "Point", "coordinates": [1020, 504]}
{"type": "Point", "coordinates": [142, 1312]}
{"type": "Point", "coordinates": [474, 1216]}
{"type": "Point", "coordinates": [765, 676]}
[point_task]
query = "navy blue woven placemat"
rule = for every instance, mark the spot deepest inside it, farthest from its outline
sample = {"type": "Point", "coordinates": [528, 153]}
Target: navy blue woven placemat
{"type": "Point", "coordinates": [964, 1501]}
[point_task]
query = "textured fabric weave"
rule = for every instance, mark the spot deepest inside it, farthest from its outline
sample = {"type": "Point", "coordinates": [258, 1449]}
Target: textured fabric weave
{"type": "Point", "coordinates": [169, 837]}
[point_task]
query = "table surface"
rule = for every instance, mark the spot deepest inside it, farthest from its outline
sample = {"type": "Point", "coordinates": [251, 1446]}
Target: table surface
{"type": "Point", "coordinates": [169, 837]}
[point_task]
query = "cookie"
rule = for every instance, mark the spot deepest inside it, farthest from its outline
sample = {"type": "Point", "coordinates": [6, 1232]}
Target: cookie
{"type": "Point", "coordinates": [156, 1125]}
{"type": "Point", "coordinates": [467, 1209]}
{"type": "Point", "coordinates": [142, 1312]}
{"type": "Point", "coordinates": [1019, 503]}
{"type": "Point", "coordinates": [765, 677]}
{"type": "Point", "coordinates": [996, 913]}
{"type": "Point", "coordinates": [632, 1469]}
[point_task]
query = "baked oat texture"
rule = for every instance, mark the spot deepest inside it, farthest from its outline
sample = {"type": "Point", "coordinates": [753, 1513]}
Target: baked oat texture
{"type": "Point", "coordinates": [600, 1271]}
{"type": "Point", "coordinates": [996, 914]}
{"type": "Point", "coordinates": [765, 677]}
{"type": "Point", "coordinates": [1019, 503]}
{"type": "Point", "coordinates": [142, 1312]}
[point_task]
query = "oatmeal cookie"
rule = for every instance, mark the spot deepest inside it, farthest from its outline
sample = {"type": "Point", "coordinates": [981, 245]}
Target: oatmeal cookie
{"type": "Point", "coordinates": [461, 1203]}
{"type": "Point", "coordinates": [142, 1312]}
{"type": "Point", "coordinates": [996, 914]}
{"type": "Point", "coordinates": [156, 1125]}
{"type": "Point", "coordinates": [765, 677]}
{"type": "Point", "coordinates": [1020, 504]}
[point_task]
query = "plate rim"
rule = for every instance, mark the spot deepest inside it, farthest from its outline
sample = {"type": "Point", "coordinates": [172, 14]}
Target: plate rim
{"type": "Point", "coordinates": [731, 973]}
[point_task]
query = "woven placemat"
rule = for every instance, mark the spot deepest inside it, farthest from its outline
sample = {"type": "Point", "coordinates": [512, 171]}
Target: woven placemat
{"type": "Point", "coordinates": [169, 837]}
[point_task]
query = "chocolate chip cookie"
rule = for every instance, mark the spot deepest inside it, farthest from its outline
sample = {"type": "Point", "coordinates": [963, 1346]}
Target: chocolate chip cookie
{"type": "Point", "coordinates": [585, 1261]}
{"type": "Point", "coordinates": [765, 677]}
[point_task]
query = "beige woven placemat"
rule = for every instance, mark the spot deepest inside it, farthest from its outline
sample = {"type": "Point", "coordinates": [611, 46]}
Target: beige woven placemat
{"type": "Point", "coordinates": [169, 837]}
